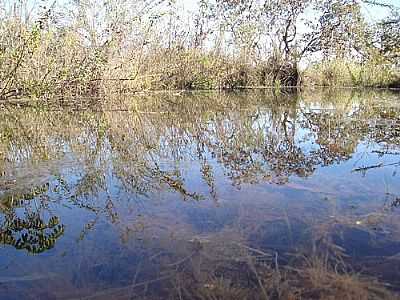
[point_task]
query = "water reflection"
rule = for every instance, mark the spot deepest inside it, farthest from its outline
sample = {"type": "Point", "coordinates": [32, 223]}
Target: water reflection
{"type": "Point", "coordinates": [201, 196]}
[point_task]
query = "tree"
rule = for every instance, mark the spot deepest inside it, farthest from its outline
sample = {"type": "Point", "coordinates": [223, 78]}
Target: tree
{"type": "Point", "coordinates": [387, 34]}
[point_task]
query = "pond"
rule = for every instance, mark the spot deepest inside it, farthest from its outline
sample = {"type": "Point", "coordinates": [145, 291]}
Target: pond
{"type": "Point", "coordinates": [203, 195]}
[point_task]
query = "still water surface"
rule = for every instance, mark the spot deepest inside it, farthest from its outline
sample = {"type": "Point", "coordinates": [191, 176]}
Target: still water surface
{"type": "Point", "coordinates": [201, 196]}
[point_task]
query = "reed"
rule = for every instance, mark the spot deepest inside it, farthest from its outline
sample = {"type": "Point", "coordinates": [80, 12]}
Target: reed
{"type": "Point", "coordinates": [345, 73]}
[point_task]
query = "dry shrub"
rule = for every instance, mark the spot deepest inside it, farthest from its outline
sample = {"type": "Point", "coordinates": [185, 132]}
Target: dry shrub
{"type": "Point", "coordinates": [343, 73]}
{"type": "Point", "coordinates": [191, 69]}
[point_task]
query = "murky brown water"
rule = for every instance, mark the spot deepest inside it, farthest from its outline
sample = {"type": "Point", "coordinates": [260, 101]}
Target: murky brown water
{"type": "Point", "coordinates": [202, 196]}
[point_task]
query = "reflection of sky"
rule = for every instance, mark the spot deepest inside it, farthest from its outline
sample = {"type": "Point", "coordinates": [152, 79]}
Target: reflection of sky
{"type": "Point", "coordinates": [111, 247]}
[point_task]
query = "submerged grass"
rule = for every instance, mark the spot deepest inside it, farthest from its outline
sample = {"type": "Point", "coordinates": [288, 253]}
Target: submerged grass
{"type": "Point", "coordinates": [222, 266]}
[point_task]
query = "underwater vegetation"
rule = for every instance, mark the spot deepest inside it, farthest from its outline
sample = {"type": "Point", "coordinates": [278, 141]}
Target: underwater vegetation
{"type": "Point", "coordinates": [247, 195]}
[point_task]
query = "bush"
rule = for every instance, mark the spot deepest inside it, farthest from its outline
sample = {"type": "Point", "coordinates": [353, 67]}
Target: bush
{"type": "Point", "coordinates": [351, 74]}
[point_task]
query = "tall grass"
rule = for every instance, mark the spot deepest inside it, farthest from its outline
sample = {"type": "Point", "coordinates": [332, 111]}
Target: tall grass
{"type": "Point", "coordinates": [40, 58]}
{"type": "Point", "coordinates": [48, 62]}
{"type": "Point", "coordinates": [42, 63]}
{"type": "Point", "coordinates": [191, 69]}
{"type": "Point", "coordinates": [344, 73]}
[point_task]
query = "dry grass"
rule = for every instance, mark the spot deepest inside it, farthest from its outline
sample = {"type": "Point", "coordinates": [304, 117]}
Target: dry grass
{"type": "Point", "coordinates": [339, 73]}
{"type": "Point", "coordinates": [319, 280]}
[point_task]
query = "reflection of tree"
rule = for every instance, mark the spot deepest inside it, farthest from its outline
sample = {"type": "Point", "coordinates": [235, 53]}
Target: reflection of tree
{"type": "Point", "coordinates": [29, 230]}
{"type": "Point", "coordinates": [139, 150]}
{"type": "Point", "coordinates": [252, 139]}
{"type": "Point", "coordinates": [384, 127]}
{"type": "Point", "coordinates": [339, 134]}
{"type": "Point", "coordinates": [334, 134]}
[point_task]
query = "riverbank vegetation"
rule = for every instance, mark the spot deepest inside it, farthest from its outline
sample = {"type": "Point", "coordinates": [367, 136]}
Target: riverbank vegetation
{"type": "Point", "coordinates": [91, 47]}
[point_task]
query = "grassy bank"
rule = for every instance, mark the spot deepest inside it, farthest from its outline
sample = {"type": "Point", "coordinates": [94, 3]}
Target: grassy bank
{"type": "Point", "coordinates": [42, 64]}
{"type": "Point", "coordinates": [54, 64]}
{"type": "Point", "coordinates": [75, 50]}
{"type": "Point", "coordinates": [342, 73]}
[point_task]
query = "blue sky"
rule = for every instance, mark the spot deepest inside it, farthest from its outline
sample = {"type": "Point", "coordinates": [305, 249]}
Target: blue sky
{"type": "Point", "coordinates": [374, 13]}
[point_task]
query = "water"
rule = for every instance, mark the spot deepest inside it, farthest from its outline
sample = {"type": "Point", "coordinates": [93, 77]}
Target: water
{"type": "Point", "coordinates": [203, 195]}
